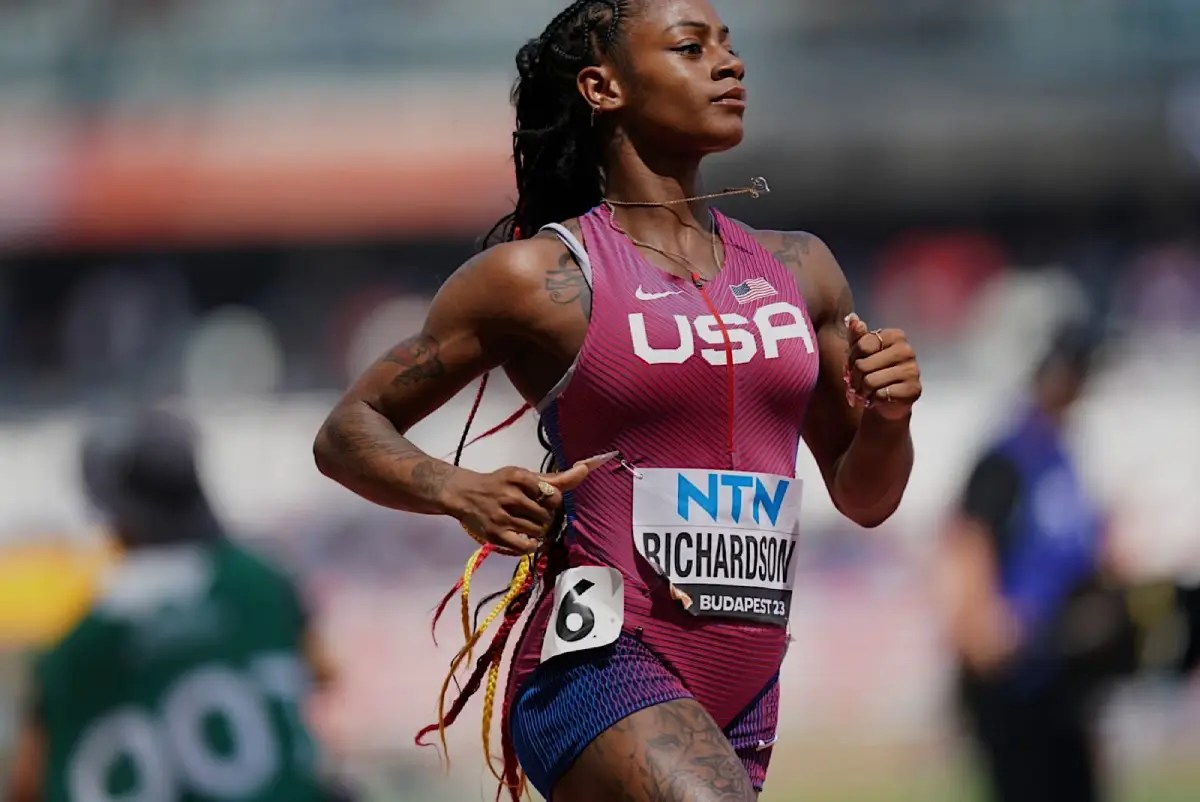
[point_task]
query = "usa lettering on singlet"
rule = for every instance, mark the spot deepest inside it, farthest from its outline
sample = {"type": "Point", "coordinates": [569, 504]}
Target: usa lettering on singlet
{"type": "Point", "coordinates": [725, 539]}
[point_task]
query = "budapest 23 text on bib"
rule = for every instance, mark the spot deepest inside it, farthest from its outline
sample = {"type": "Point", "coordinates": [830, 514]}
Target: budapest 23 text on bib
{"type": "Point", "coordinates": [725, 540]}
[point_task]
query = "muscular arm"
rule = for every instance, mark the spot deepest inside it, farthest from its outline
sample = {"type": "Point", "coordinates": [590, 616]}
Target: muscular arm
{"type": "Point", "coordinates": [474, 323]}
{"type": "Point", "coordinates": [864, 457]}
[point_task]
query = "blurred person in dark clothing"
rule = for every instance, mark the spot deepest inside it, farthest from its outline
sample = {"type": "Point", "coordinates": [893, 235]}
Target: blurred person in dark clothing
{"type": "Point", "coordinates": [1032, 623]}
{"type": "Point", "coordinates": [1188, 601]}
{"type": "Point", "coordinates": [186, 679]}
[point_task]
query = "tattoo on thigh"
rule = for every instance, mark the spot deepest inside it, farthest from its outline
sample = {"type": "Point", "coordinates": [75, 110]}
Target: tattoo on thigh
{"type": "Point", "coordinates": [673, 752]}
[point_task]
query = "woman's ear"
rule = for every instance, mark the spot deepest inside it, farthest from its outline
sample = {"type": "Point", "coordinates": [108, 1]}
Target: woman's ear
{"type": "Point", "coordinates": [601, 88]}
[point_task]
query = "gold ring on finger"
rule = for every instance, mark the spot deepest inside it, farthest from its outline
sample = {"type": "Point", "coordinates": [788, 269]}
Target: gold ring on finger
{"type": "Point", "coordinates": [545, 490]}
{"type": "Point", "coordinates": [887, 394]}
{"type": "Point", "coordinates": [878, 336]}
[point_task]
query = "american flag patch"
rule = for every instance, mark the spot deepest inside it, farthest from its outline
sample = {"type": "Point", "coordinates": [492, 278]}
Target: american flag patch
{"type": "Point", "coordinates": [751, 290]}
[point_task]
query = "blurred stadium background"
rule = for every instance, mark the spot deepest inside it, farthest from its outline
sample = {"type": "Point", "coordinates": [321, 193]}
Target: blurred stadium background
{"type": "Point", "coordinates": [240, 203]}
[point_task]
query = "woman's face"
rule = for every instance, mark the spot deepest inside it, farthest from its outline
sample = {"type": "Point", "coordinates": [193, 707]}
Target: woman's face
{"type": "Point", "coordinates": [677, 83]}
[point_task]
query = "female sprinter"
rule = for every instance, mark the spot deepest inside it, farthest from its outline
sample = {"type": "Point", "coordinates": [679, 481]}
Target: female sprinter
{"type": "Point", "coordinates": [641, 322]}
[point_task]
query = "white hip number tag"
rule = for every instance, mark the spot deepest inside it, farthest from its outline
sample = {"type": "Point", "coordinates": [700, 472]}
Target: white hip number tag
{"type": "Point", "coordinates": [589, 609]}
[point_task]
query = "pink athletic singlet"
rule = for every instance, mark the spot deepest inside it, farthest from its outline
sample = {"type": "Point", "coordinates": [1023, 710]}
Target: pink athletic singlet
{"type": "Point", "coordinates": [652, 380]}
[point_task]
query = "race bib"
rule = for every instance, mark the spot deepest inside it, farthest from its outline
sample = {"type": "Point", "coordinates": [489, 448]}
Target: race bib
{"type": "Point", "coordinates": [725, 540]}
{"type": "Point", "coordinates": [589, 609]}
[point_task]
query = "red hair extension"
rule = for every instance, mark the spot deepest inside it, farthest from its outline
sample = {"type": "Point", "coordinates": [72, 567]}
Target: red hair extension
{"type": "Point", "coordinates": [480, 556]}
{"type": "Point", "coordinates": [512, 777]}
{"type": "Point", "coordinates": [511, 615]}
{"type": "Point", "coordinates": [441, 608]}
{"type": "Point", "coordinates": [509, 421]}
{"type": "Point", "coordinates": [473, 682]}
{"type": "Point", "coordinates": [462, 441]}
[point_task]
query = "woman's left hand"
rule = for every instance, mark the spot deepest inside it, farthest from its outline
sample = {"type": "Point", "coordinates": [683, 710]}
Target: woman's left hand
{"type": "Point", "coordinates": [883, 370]}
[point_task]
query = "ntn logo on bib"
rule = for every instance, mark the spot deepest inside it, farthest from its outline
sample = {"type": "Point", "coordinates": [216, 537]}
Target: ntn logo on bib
{"type": "Point", "coordinates": [726, 539]}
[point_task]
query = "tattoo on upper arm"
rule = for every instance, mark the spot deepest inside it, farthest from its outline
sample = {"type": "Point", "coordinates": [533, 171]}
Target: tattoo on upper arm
{"type": "Point", "coordinates": [418, 359]}
{"type": "Point", "coordinates": [566, 284]}
{"type": "Point", "coordinates": [794, 248]}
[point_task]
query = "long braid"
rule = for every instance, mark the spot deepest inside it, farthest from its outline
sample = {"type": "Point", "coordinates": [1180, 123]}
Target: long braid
{"type": "Point", "coordinates": [488, 666]}
{"type": "Point", "coordinates": [513, 614]}
{"type": "Point", "coordinates": [516, 589]}
{"type": "Point", "coordinates": [556, 150]}
{"type": "Point", "coordinates": [559, 174]}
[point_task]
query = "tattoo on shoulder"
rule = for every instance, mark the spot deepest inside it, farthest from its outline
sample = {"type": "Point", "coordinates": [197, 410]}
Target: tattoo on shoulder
{"type": "Point", "coordinates": [573, 226]}
{"type": "Point", "coordinates": [418, 360]}
{"type": "Point", "coordinates": [566, 285]}
{"type": "Point", "coordinates": [794, 246]}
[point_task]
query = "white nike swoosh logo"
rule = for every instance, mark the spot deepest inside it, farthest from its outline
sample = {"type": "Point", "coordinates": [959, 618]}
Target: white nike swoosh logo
{"type": "Point", "coordinates": [642, 295]}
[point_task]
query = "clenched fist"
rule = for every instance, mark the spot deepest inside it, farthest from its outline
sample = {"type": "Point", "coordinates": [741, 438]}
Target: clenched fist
{"type": "Point", "coordinates": [882, 372]}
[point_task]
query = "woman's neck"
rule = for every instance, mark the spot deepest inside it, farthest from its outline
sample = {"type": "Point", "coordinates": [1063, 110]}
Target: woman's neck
{"type": "Point", "coordinates": [665, 183]}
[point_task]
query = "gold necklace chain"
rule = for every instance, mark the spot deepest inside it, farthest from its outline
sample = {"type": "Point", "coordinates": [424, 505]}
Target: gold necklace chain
{"type": "Point", "coordinates": [678, 257]}
{"type": "Point", "coordinates": [758, 187]}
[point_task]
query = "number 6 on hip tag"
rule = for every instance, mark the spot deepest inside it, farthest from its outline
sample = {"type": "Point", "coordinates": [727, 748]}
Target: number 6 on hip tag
{"type": "Point", "coordinates": [589, 609]}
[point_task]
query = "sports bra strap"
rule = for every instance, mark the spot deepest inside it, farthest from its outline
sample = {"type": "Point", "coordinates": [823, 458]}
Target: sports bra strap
{"type": "Point", "coordinates": [575, 247]}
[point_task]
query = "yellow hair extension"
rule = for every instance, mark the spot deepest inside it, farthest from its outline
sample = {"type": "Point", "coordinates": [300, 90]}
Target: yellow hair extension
{"type": "Point", "coordinates": [489, 701]}
{"type": "Point", "coordinates": [472, 564]}
{"type": "Point", "coordinates": [493, 681]}
{"type": "Point", "coordinates": [514, 589]}
{"type": "Point", "coordinates": [476, 559]}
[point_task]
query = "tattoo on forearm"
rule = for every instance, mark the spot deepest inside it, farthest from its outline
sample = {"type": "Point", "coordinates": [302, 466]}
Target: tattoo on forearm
{"type": "Point", "coordinates": [348, 433]}
{"type": "Point", "coordinates": [429, 477]}
{"type": "Point", "coordinates": [566, 285]}
{"type": "Point", "coordinates": [418, 359]}
{"type": "Point", "coordinates": [794, 248]}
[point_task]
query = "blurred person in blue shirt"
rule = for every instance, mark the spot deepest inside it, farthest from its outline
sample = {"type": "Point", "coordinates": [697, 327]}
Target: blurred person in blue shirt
{"type": "Point", "coordinates": [1034, 624]}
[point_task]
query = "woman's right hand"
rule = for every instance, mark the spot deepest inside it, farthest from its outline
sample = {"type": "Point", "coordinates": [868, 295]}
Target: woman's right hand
{"type": "Point", "coordinates": [511, 508]}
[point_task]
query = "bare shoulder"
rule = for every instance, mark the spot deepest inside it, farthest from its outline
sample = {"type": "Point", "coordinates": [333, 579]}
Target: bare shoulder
{"type": "Point", "coordinates": [519, 279]}
{"type": "Point", "coordinates": [796, 250]}
{"type": "Point", "coordinates": [816, 269]}
{"type": "Point", "coordinates": [507, 266]}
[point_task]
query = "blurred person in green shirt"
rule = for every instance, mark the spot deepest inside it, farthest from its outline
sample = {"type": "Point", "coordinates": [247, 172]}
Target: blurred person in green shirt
{"type": "Point", "coordinates": [186, 679]}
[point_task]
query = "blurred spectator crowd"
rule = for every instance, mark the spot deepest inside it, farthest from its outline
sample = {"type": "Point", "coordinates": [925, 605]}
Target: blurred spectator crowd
{"type": "Point", "coordinates": [86, 328]}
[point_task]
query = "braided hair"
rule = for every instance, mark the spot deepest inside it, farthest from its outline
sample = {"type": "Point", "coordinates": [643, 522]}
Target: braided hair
{"type": "Point", "coordinates": [556, 149]}
{"type": "Point", "coordinates": [557, 155]}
